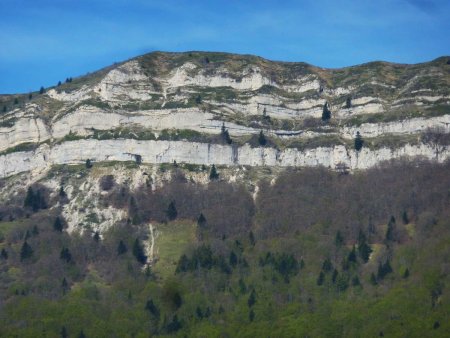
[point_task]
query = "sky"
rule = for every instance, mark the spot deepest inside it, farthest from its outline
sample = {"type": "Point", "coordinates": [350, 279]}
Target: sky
{"type": "Point", "coordinates": [44, 41]}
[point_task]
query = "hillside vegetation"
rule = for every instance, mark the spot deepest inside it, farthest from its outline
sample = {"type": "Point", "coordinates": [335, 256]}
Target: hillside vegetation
{"type": "Point", "coordinates": [313, 253]}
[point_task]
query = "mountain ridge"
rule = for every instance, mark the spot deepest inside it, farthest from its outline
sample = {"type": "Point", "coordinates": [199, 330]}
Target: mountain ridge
{"type": "Point", "coordinates": [204, 96]}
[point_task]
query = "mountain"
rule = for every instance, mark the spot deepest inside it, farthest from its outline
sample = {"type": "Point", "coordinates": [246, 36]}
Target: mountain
{"type": "Point", "coordinates": [218, 195]}
{"type": "Point", "coordinates": [176, 107]}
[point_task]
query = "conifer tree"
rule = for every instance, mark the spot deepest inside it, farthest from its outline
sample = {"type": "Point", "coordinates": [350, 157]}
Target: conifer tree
{"type": "Point", "coordinates": [334, 276]}
{"type": "Point", "coordinates": [4, 254]}
{"type": "Point", "coordinates": [138, 252]}
{"type": "Point", "coordinates": [58, 225]}
{"type": "Point", "coordinates": [406, 273]}
{"type": "Point", "coordinates": [251, 238]}
{"type": "Point", "coordinates": [65, 255]}
{"type": "Point", "coordinates": [359, 142]}
{"type": "Point", "coordinates": [364, 248]}
{"type": "Point", "coordinates": [321, 278]}
{"type": "Point", "coordinates": [121, 248]}
{"type": "Point", "coordinates": [262, 139]}
{"type": "Point", "coordinates": [172, 212]}
{"type": "Point", "coordinates": [64, 333]}
{"type": "Point", "coordinates": [201, 221]}
{"type": "Point", "coordinates": [390, 230]}
{"type": "Point", "coordinates": [233, 259]}
{"type": "Point", "coordinates": [373, 279]}
{"type": "Point", "coordinates": [26, 251]}
{"type": "Point", "coordinates": [352, 255]}
{"type": "Point", "coordinates": [29, 198]}
{"type": "Point", "coordinates": [213, 175]}
{"type": "Point", "coordinates": [64, 285]}
{"type": "Point", "coordinates": [252, 298]}
{"type": "Point", "coordinates": [96, 236]}
{"type": "Point", "coordinates": [405, 217]}
{"type": "Point", "coordinates": [348, 102]}
{"type": "Point", "coordinates": [225, 135]}
{"type": "Point", "coordinates": [88, 164]}
{"type": "Point", "coordinates": [339, 240]}
{"type": "Point", "coordinates": [151, 307]}
{"type": "Point", "coordinates": [251, 315]}
{"type": "Point", "coordinates": [355, 281]}
{"type": "Point", "coordinates": [326, 113]}
{"type": "Point", "coordinates": [326, 265]}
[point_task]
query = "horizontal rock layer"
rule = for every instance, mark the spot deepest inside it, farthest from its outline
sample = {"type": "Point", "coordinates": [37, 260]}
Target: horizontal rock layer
{"type": "Point", "coordinates": [77, 152]}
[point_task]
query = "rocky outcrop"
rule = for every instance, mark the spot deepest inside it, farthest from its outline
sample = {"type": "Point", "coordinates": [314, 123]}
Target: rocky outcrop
{"type": "Point", "coordinates": [203, 91]}
{"type": "Point", "coordinates": [155, 152]}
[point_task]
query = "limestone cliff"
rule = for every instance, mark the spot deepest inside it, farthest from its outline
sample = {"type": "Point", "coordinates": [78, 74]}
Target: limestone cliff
{"type": "Point", "coordinates": [166, 107]}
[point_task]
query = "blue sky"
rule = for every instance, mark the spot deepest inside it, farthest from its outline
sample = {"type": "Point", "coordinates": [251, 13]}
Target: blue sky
{"type": "Point", "coordinates": [43, 41]}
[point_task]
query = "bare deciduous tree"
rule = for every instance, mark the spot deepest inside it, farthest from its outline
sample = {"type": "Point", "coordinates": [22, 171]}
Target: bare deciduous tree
{"type": "Point", "coordinates": [436, 138]}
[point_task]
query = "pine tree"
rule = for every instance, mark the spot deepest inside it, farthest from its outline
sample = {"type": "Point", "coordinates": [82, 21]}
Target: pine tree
{"type": "Point", "coordinates": [172, 212]}
{"type": "Point", "coordinates": [88, 164]}
{"type": "Point", "coordinates": [201, 221]}
{"type": "Point", "coordinates": [373, 279]}
{"type": "Point", "coordinates": [352, 255]}
{"type": "Point", "coordinates": [59, 84]}
{"type": "Point", "coordinates": [29, 198]}
{"type": "Point", "coordinates": [199, 312]}
{"type": "Point", "coordinates": [64, 333]}
{"type": "Point", "coordinates": [42, 90]}
{"type": "Point", "coordinates": [121, 248]}
{"type": "Point", "coordinates": [233, 259]}
{"type": "Point", "coordinates": [4, 254]}
{"type": "Point", "coordinates": [251, 315]}
{"type": "Point", "coordinates": [62, 193]}
{"type": "Point", "coordinates": [384, 269]}
{"type": "Point", "coordinates": [198, 99]}
{"type": "Point", "coordinates": [339, 240]}
{"type": "Point", "coordinates": [16, 100]}
{"type": "Point", "coordinates": [355, 281]}
{"type": "Point", "coordinates": [177, 300]}
{"type": "Point", "coordinates": [26, 251]}
{"type": "Point", "coordinates": [359, 142]}
{"type": "Point", "coordinates": [96, 236]}
{"type": "Point", "coordinates": [326, 265]}
{"type": "Point", "coordinates": [213, 175]}
{"type": "Point", "coordinates": [406, 273]}
{"type": "Point", "coordinates": [151, 307]}
{"type": "Point", "coordinates": [174, 325]}
{"type": "Point", "coordinates": [65, 255]}
{"type": "Point", "coordinates": [138, 252]}
{"type": "Point", "coordinates": [326, 113]}
{"type": "Point", "coordinates": [364, 248]}
{"type": "Point", "coordinates": [251, 238]}
{"type": "Point", "coordinates": [225, 135]}
{"type": "Point", "coordinates": [334, 276]}
{"type": "Point", "coordinates": [81, 334]}
{"type": "Point", "coordinates": [64, 285]}
{"type": "Point", "coordinates": [405, 217]}
{"type": "Point", "coordinates": [183, 265]}
{"type": "Point", "coordinates": [252, 298]}
{"type": "Point", "coordinates": [348, 102]}
{"type": "Point", "coordinates": [390, 230]}
{"type": "Point", "coordinates": [242, 286]}
{"type": "Point", "coordinates": [57, 225]}
{"type": "Point", "coordinates": [321, 278]}
{"type": "Point", "coordinates": [262, 139]}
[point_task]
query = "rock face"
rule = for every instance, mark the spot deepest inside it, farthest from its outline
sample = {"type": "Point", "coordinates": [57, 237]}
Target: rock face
{"type": "Point", "coordinates": [152, 152]}
{"type": "Point", "coordinates": [120, 112]}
